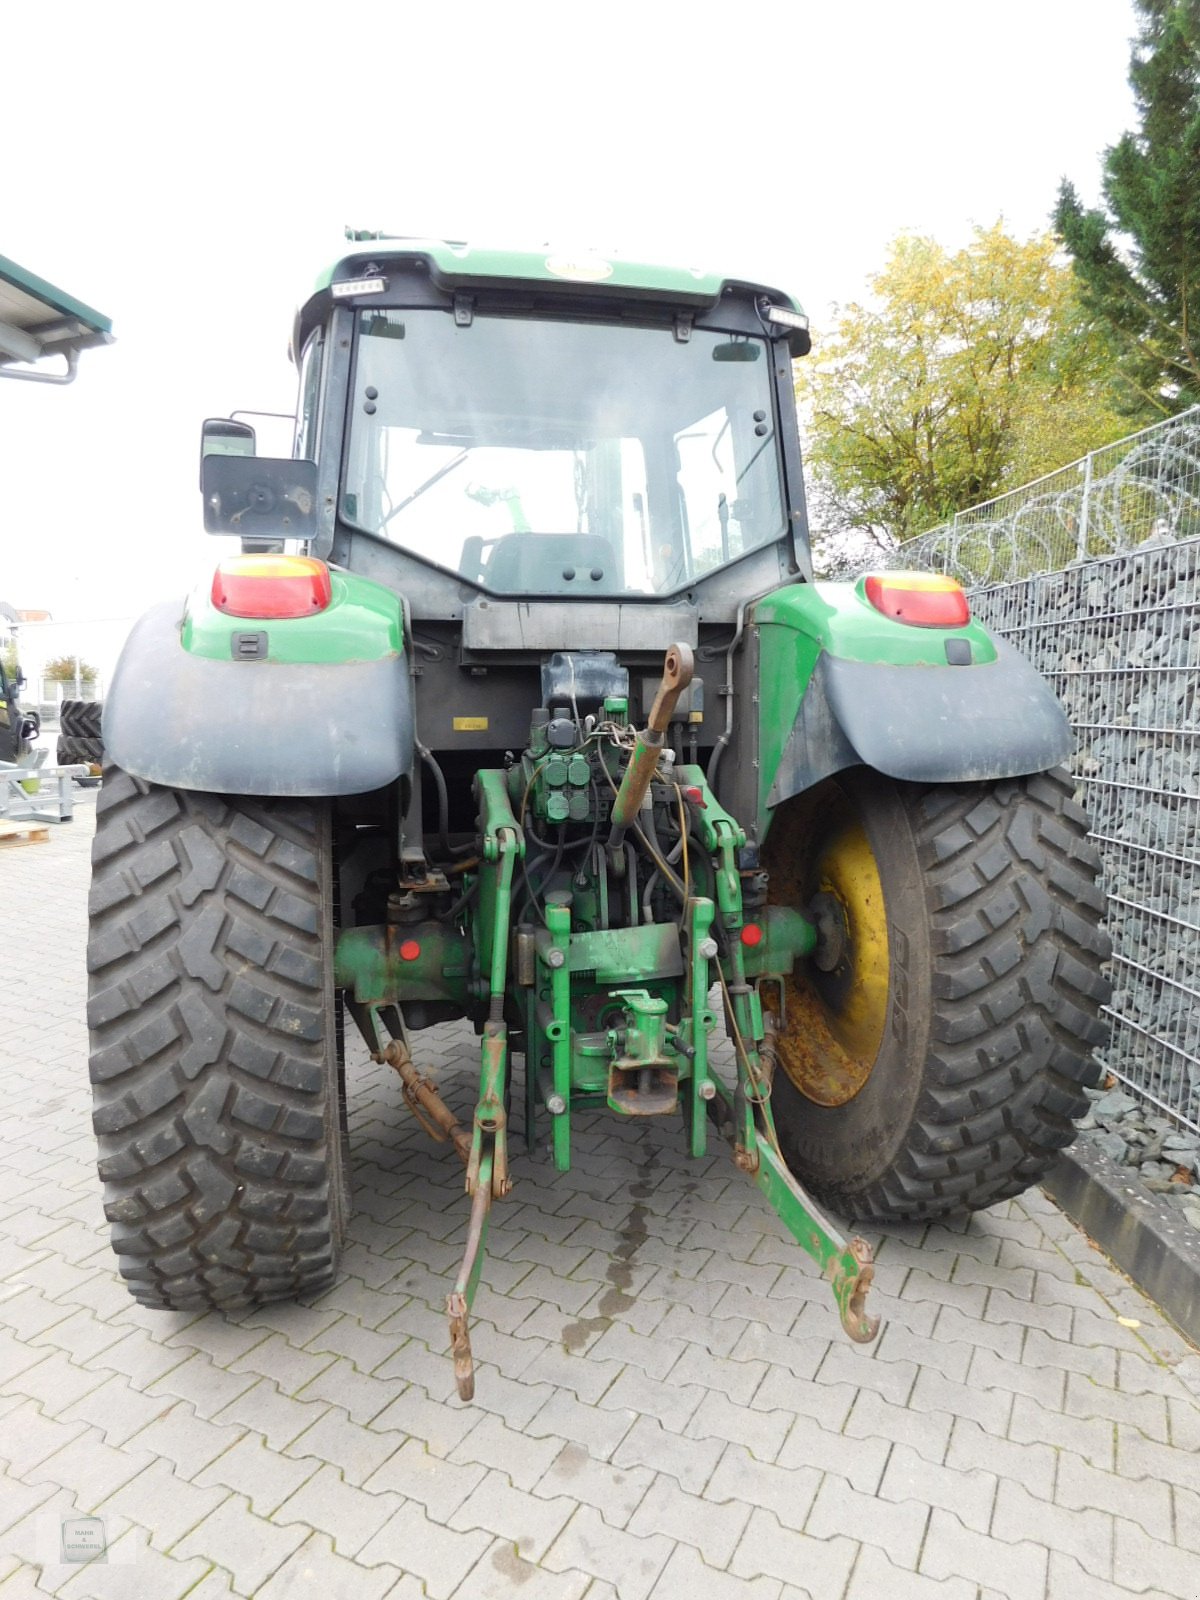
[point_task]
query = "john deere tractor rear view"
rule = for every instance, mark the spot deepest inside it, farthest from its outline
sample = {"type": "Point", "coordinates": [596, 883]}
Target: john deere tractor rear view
{"type": "Point", "coordinates": [520, 705]}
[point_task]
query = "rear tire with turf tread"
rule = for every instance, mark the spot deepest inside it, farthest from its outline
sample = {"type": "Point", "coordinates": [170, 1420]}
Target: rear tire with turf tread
{"type": "Point", "coordinates": [214, 1066]}
{"type": "Point", "coordinates": [995, 954]}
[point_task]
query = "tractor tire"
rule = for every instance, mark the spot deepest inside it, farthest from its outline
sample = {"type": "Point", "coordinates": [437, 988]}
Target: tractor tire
{"type": "Point", "coordinates": [72, 749]}
{"type": "Point", "coordinates": [218, 1101]}
{"type": "Point", "coordinates": [81, 719]}
{"type": "Point", "coordinates": [938, 1042]}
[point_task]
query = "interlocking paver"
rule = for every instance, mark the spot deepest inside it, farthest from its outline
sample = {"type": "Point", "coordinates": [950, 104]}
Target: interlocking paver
{"type": "Point", "coordinates": [679, 1421]}
{"type": "Point", "coordinates": [1067, 1580]}
{"type": "Point", "coordinates": [690, 1461]}
{"type": "Point", "coordinates": [969, 1495]}
{"type": "Point", "coordinates": [440, 1485]}
{"type": "Point", "coordinates": [828, 1403]}
{"type": "Point", "coordinates": [162, 1503]}
{"type": "Point", "coordinates": [1187, 1519]}
{"type": "Point", "coordinates": [1045, 1385]}
{"type": "Point", "coordinates": [350, 1516]}
{"type": "Point", "coordinates": [250, 1547]}
{"type": "Point", "coordinates": [414, 1413]}
{"type": "Point", "coordinates": [441, 1557]}
{"type": "Point", "coordinates": [357, 1451]}
{"type": "Point", "coordinates": [687, 1577]}
{"type": "Point", "coordinates": [501, 1571]}
{"type": "Point", "coordinates": [263, 1476]}
{"type": "Point", "coordinates": [278, 1417]}
{"type": "Point", "coordinates": [55, 1382]}
{"type": "Point", "coordinates": [528, 1522]}
{"type": "Point", "coordinates": [859, 1461]}
{"type": "Point", "coordinates": [952, 1550]}
{"type": "Point", "coordinates": [876, 1578]}
{"type": "Point", "coordinates": [1146, 1501]}
{"type": "Point", "coordinates": [519, 1456]}
{"type": "Point", "coordinates": [893, 1525]}
{"type": "Point", "coordinates": [135, 1577]}
{"type": "Point", "coordinates": [206, 1387]}
{"type": "Point", "coordinates": [1145, 1412]}
{"type": "Point", "coordinates": [715, 1417]}
{"type": "Point", "coordinates": [1139, 1560]}
{"type": "Point", "coordinates": [340, 1383]}
{"type": "Point", "coordinates": [872, 1417]}
{"type": "Point", "coordinates": [316, 1570]}
{"type": "Point", "coordinates": [713, 1529]}
{"type": "Point", "coordinates": [90, 1469]}
{"type": "Point", "coordinates": [614, 1490]}
{"type": "Point", "coordinates": [787, 1491]}
{"type": "Point", "coordinates": [185, 1439]}
{"type": "Point", "coordinates": [30, 1436]}
{"type": "Point", "coordinates": [632, 1562]}
{"type": "Point", "coordinates": [1086, 1534]}
{"type": "Point", "coordinates": [821, 1566]}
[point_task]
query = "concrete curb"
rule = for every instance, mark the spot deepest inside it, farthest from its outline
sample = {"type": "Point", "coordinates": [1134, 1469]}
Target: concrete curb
{"type": "Point", "coordinates": [1147, 1238]}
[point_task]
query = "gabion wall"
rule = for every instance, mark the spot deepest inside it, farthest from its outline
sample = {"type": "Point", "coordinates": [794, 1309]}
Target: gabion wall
{"type": "Point", "coordinates": [1120, 642]}
{"type": "Point", "coordinates": [1116, 630]}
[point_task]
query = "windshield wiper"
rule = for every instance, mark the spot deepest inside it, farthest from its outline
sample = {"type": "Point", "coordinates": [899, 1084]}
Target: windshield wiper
{"type": "Point", "coordinates": [428, 484]}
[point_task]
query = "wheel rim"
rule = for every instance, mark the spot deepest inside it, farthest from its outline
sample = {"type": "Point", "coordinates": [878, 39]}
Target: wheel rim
{"type": "Point", "coordinates": [837, 1009]}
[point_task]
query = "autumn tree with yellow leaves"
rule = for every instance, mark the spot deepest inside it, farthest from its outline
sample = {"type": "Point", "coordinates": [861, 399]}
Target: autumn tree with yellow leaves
{"type": "Point", "coordinates": [964, 375]}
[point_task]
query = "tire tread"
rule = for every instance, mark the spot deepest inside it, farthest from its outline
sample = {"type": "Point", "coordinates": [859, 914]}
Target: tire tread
{"type": "Point", "coordinates": [1012, 887]}
{"type": "Point", "coordinates": [211, 1022]}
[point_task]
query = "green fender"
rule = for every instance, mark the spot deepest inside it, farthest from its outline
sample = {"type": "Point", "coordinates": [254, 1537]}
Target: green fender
{"type": "Point", "coordinates": [314, 705]}
{"type": "Point", "coordinates": [843, 685]}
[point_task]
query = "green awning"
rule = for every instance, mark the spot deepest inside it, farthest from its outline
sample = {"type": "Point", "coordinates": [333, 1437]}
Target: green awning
{"type": "Point", "coordinates": [38, 320]}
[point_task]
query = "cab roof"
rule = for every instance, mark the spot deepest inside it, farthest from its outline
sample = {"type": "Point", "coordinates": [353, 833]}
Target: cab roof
{"type": "Point", "coordinates": [456, 265]}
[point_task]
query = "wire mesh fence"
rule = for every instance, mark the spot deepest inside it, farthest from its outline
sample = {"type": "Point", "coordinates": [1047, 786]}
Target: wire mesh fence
{"type": "Point", "coordinates": [1145, 487]}
{"type": "Point", "coordinates": [1094, 574]}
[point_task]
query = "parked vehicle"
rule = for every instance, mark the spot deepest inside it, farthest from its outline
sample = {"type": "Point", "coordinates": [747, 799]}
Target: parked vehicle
{"type": "Point", "coordinates": [521, 705]}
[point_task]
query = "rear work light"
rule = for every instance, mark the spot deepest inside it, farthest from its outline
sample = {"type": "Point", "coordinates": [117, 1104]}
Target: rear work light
{"type": "Point", "coordinates": [271, 586]}
{"type": "Point", "coordinates": [923, 599]}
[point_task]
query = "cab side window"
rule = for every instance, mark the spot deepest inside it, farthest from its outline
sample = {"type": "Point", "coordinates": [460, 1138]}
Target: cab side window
{"type": "Point", "coordinates": [308, 410]}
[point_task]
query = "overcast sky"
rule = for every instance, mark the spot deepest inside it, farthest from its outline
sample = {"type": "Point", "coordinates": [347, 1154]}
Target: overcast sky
{"type": "Point", "coordinates": [188, 169]}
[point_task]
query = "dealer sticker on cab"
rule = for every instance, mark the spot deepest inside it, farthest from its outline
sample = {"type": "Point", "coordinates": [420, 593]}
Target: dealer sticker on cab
{"type": "Point", "coordinates": [580, 269]}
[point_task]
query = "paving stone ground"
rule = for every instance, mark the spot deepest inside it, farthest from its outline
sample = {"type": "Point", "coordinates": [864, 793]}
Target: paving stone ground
{"type": "Point", "coordinates": [667, 1409]}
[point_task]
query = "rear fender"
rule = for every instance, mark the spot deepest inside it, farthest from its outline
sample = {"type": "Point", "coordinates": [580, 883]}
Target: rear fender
{"type": "Point", "coordinates": [843, 685]}
{"type": "Point", "coordinates": [318, 705]}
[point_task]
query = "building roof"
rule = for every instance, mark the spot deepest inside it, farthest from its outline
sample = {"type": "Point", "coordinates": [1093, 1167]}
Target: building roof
{"type": "Point", "coordinates": [38, 320]}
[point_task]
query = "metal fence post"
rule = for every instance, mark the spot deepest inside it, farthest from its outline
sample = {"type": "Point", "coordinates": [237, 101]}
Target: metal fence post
{"type": "Point", "coordinates": [1085, 510]}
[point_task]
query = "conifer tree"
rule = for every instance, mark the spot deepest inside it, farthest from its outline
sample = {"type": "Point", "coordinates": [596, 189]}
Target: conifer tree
{"type": "Point", "coordinates": [1137, 258]}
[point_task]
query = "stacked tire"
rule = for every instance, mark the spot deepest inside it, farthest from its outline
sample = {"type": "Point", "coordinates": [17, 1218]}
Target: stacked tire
{"type": "Point", "coordinates": [80, 738]}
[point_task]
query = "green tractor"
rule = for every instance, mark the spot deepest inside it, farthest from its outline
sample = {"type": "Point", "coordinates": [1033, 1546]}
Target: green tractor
{"type": "Point", "coordinates": [521, 705]}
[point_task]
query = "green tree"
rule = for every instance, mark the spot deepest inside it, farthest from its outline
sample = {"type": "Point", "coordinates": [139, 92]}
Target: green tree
{"type": "Point", "coordinates": [1138, 257]}
{"type": "Point", "coordinates": [63, 670]}
{"type": "Point", "coordinates": [966, 375]}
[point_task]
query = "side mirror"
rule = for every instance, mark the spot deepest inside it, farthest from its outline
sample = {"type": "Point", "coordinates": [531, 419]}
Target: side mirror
{"type": "Point", "coordinates": [221, 436]}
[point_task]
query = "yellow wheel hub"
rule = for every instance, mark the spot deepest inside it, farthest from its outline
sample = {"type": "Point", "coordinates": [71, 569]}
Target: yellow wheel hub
{"type": "Point", "coordinates": [836, 1017]}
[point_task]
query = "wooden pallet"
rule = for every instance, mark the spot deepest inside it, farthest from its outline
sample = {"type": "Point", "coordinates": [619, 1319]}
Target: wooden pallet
{"type": "Point", "coordinates": [15, 833]}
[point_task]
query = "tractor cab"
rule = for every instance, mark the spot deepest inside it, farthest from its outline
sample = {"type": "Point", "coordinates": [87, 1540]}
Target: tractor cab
{"type": "Point", "coordinates": [551, 427]}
